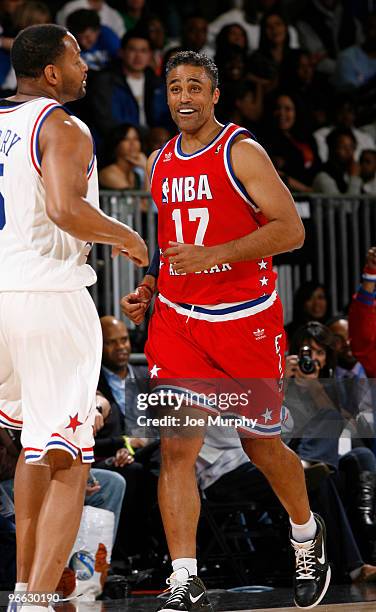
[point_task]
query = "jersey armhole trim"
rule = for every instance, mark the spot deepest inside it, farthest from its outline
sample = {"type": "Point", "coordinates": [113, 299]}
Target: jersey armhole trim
{"type": "Point", "coordinates": [238, 185]}
{"type": "Point", "coordinates": [90, 167]}
{"type": "Point", "coordinates": [156, 159]}
{"type": "Point", "coordinates": [34, 142]}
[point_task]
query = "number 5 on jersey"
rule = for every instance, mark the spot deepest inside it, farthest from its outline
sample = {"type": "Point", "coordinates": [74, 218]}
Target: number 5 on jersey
{"type": "Point", "coordinates": [193, 214]}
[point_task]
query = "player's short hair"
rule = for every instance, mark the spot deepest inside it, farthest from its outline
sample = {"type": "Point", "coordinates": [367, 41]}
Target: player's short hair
{"type": "Point", "coordinates": [83, 19]}
{"type": "Point", "coordinates": [35, 47]}
{"type": "Point", "coordinates": [191, 58]}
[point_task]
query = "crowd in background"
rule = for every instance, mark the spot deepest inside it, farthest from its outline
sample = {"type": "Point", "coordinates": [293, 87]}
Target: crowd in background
{"type": "Point", "coordinates": [301, 76]}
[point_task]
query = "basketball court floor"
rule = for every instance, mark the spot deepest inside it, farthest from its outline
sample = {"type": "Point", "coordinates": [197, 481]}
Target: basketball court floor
{"type": "Point", "coordinates": [339, 599]}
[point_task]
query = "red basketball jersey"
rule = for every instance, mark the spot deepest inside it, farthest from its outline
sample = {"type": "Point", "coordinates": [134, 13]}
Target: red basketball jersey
{"type": "Point", "coordinates": [200, 201]}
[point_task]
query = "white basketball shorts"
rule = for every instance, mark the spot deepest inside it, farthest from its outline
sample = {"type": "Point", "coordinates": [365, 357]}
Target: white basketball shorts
{"type": "Point", "coordinates": [50, 356]}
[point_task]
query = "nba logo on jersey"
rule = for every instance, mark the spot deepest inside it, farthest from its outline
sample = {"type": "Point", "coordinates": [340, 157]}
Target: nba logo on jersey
{"type": "Point", "coordinates": [165, 190]}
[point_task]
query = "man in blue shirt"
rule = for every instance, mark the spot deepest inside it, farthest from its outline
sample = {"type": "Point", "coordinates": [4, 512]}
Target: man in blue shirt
{"type": "Point", "coordinates": [99, 44]}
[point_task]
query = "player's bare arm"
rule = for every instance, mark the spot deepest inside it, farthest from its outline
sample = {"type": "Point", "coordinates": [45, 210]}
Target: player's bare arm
{"type": "Point", "coordinates": [66, 147]}
{"type": "Point", "coordinates": [284, 232]}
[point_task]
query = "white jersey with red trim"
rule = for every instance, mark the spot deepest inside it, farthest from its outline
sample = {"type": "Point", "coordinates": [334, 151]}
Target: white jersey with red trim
{"type": "Point", "coordinates": [35, 254]}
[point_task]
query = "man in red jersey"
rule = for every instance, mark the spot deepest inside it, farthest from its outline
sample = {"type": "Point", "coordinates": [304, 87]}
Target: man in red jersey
{"type": "Point", "coordinates": [223, 213]}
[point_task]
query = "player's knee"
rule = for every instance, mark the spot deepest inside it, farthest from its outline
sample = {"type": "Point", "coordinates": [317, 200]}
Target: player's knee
{"type": "Point", "coordinates": [263, 453]}
{"type": "Point", "coordinates": [59, 460]}
{"type": "Point", "coordinates": [178, 454]}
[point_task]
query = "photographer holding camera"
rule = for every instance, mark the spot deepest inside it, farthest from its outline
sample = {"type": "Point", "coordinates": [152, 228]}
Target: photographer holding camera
{"type": "Point", "coordinates": [311, 396]}
{"type": "Point", "coordinates": [320, 413]}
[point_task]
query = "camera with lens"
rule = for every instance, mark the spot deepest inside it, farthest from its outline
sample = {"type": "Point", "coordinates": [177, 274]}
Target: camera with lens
{"type": "Point", "coordinates": [306, 364]}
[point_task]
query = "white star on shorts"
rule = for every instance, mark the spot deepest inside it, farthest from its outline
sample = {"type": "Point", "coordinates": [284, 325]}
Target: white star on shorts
{"type": "Point", "coordinates": [264, 281]}
{"type": "Point", "coordinates": [154, 371]}
{"type": "Point", "coordinates": [267, 415]}
{"type": "Point", "coordinates": [263, 264]}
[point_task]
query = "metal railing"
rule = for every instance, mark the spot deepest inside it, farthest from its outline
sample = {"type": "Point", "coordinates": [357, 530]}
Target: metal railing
{"type": "Point", "coordinates": [339, 231]}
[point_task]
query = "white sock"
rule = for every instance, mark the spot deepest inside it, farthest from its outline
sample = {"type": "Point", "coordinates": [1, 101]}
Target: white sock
{"type": "Point", "coordinates": [302, 533]}
{"type": "Point", "coordinates": [20, 587]}
{"type": "Point", "coordinates": [185, 563]}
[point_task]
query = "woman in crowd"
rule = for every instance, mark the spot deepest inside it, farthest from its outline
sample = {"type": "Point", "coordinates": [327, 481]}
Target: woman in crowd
{"type": "Point", "coordinates": [274, 48]}
{"type": "Point", "coordinates": [340, 175]}
{"type": "Point", "coordinates": [232, 34]}
{"type": "Point", "coordinates": [311, 303]}
{"type": "Point", "coordinates": [310, 90]}
{"type": "Point", "coordinates": [291, 147]}
{"type": "Point", "coordinates": [124, 163]}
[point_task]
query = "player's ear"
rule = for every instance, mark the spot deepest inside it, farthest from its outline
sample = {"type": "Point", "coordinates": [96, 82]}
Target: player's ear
{"type": "Point", "coordinates": [51, 74]}
{"type": "Point", "coordinates": [216, 94]}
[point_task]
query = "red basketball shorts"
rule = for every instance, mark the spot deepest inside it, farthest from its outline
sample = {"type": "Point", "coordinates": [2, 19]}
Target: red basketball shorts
{"type": "Point", "coordinates": [232, 367]}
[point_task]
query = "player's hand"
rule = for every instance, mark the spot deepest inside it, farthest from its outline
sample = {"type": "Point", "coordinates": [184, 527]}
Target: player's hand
{"type": "Point", "coordinates": [122, 458]}
{"type": "Point", "coordinates": [135, 250]}
{"type": "Point", "coordinates": [371, 258]}
{"type": "Point", "coordinates": [134, 305]}
{"type": "Point", "coordinates": [186, 258]}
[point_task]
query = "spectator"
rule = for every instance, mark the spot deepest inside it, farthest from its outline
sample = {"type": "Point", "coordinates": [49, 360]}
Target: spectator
{"type": "Point", "coordinates": [344, 115]}
{"type": "Point", "coordinates": [274, 48]}
{"type": "Point", "coordinates": [120, 445]}
{"type": "Point", "coordinates": [340, 174]}
{"type": "Point", "coordinates": [225, 474]}
{"type": "Point", "coordinates": [8, 29]}
{"type": "Point", "coordinates": [352, 382]}
{"type": "Point", "coordinates": [157, 35]}
{"type": "Point", "coordinates": [232, 34]}
{"type": "Point", "coordinates": [108, 16]}
{"type": "Point", "coordinates": [291, 148]}
{"type": "Point", "coordinates": [356, 65]}
{"type": "Point", "coordinates": [20, 16]}
{"type": "Point", "coordinates": [106, 489]}
{"type": "Point", "coordinates": [132, 13]}
{"type": "Point", "coordinates": [362, 317]}
{"type": "Point", "coordinates": [157, 138]}
{"type": "Point", "coordinates": [311, 303]}
{"type": "Point", "coordinates": [31, 13]}
{"type": "Point", "coordinates": [130, 92]}
{"type": "Point", "coordinates": [195, 34]}
{"type": "Point", "coordinates": [232, 66]}
{"type": "Point", "coordinates": [299, 77]}
{"type": "Point", "coordinates": [248, 17]}
{"type": "Point", "coordinates": [367, 163]}
{"type": "Point", "coordinates": [99, 44]}
{"type": "Point", "coordinates": [316, 410]}
{"type": "Point", "coordinates": [124, 163]}
{"type": "Point", "coordinates": [243, 104]}
{"type": "Point", "coordinates": [325, 28]}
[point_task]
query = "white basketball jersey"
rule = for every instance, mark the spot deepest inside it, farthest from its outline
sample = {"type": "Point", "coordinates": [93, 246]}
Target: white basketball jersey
{"type": "Point", "coordinates": [35, 255]}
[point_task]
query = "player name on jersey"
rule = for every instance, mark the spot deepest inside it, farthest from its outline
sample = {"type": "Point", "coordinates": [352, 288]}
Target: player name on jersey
{"type": "Point", "coordinates": [186, 189]}
{"type": "Point", "coordinates": [8, 139]}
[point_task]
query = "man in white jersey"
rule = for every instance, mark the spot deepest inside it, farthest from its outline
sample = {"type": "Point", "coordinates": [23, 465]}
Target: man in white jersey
{"type": "Point", "coordinates": [50, 336]}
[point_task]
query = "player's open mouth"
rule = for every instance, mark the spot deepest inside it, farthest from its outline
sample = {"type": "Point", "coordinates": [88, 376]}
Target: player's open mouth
{"type": "Point", "coordinates": [186, 111]}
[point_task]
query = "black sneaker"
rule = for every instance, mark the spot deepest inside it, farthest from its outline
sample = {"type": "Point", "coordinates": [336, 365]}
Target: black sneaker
{"type": "Point", "coordinates": [186, 596]}
{"type": "Point", "coordinates": [312, 571]}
